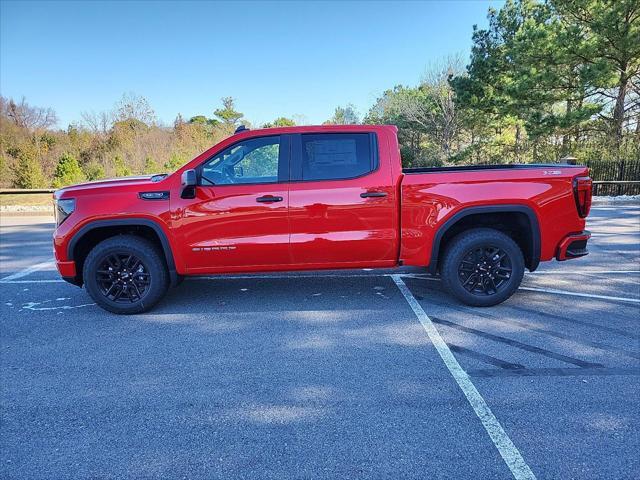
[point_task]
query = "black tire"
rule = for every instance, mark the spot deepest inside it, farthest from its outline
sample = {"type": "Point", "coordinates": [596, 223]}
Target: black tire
{"type": "Point", "coordinates": [131, 286]}
{"type": "Point", "coordinates": [469, 270]}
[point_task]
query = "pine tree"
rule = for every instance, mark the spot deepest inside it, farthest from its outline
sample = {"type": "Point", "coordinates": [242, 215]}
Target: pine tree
{"type": "Point", "coordinates": [27, 169]}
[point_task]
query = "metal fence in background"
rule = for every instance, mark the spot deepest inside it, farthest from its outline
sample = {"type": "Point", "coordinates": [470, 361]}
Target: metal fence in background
{"type": "Point", "coordinates": [615, 177]}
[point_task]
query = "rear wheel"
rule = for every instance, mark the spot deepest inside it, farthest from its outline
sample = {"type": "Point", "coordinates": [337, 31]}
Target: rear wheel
{"type": "Point", "coordinates": [125, 274]}
{"type": "Point", "coordinates": [482, 267]}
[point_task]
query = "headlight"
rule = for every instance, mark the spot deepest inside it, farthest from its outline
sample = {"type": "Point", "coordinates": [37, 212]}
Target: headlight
{"type": "Point", "coordinates": [64, 208]}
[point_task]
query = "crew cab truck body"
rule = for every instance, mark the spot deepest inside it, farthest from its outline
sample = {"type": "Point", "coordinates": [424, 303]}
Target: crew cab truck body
{"type": "Point", "coordinates": [321, 197]}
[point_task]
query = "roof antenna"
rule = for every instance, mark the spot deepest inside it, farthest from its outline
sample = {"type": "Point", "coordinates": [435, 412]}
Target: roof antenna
{"type": "Point", "coordinates": [241, 128]}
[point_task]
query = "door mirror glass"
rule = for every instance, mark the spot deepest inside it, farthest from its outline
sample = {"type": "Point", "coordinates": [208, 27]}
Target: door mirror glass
{"type": "Point", "coordinates": [189, 182]}
{"type": "Point", "coordinates": [189, 178]}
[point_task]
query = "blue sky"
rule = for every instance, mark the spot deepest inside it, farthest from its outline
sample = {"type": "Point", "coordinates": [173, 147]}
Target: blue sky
{"type": "Point", "coordinates": [274, 58]}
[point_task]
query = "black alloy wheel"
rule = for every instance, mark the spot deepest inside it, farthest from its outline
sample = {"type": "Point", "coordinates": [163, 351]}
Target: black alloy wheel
{"type": "Point", "coordinates": [123, 277]}
{"type": "Point", "coordinates": [485, 270]}
{"type": "Point", "coordinates": [482, 267]}
{"type": "Point", "coordinates": [126, 274]}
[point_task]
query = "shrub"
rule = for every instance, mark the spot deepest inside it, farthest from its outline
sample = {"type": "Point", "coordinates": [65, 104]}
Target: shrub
{"type": "Point", "coordinates": [94, 171]}
{"type": "Point", "coordinates": [67, 171]}
{"type": "Point", "coordinates": [121, 169]}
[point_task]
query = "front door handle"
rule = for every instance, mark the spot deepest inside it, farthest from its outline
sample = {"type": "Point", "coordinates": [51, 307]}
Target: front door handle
{"type": "Point", "coordinates": [373, 194]}
{"type": "Point", "coordinates": [268, 199]}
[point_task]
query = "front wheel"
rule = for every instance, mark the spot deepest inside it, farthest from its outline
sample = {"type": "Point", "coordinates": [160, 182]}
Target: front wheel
{"type": "Point", "coordinates": [482, 267]}
{"type": "Point", "coordinates": [125, 274]}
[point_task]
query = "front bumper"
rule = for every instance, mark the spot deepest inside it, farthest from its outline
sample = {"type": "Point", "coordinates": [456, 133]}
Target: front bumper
{"type": "Point", "coordinates": [573, 246]}
{"type": "Point", "coordinates": [68, 272]}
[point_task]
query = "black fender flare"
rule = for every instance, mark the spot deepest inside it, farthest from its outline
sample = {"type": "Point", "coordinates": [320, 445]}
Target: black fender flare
{"type": "Point", "coordinates": [506, 208]}
{"type": "Point", "coordinates": [129, 222]}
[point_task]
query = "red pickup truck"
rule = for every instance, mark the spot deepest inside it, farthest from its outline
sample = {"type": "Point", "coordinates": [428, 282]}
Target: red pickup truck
{"type": "Point", "coordinates": [321, 197]}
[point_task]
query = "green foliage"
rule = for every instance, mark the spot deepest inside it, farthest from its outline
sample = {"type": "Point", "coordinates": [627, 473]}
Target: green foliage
{"type": "Point", "coordinates": [280, 122]}
{"type": "Point", "coordinates": [346, 115]}
{"type": "Point", "coordinates": [5, 171]}
{"type": "Point", "coordinates": [555, 68]}
{"type": "Point", "coordinates": [199, 119]}
{"type": "Point", "coordinates": [121, 168]}
{"type": "Point", "coordinates": [151, 166]}
{"type": "Point", "coordinates": [67, 171]}
{"type": "Point", "coordinates": [47, 141]}
{"type": "Point", "coordinates": [94, 171]}
{"type": "Point", "coordinates": [174, 162]}
{"type": "Point", "coordinates": [228, 115]}
{"type": "Point", "coordinates": [27, 169]}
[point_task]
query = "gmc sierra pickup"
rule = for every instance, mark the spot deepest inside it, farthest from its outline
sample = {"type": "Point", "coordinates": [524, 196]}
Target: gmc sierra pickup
{"type": "Point", "coordinates": [322, 197]}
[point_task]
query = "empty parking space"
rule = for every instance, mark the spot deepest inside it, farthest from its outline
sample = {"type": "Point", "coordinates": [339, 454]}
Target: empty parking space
{"type": "Point", "coordinates": [325, 375]}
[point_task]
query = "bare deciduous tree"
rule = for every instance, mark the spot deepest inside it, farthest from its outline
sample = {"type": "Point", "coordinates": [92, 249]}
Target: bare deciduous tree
{"type": "Point", "coordinates": [27, 116]}
{"type": "Point", "coordinates": [136, 107]}
{"type": "Point", "coordinates": [97, 122]}
{"type": "Point", "coordinates": [433, 107]}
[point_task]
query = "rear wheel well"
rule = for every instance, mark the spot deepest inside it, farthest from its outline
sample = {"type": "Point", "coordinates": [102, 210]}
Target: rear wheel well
{"type": "Point", "coordinates": [96, 235]}
{"type": "Point", "coordinates": [517, 225]}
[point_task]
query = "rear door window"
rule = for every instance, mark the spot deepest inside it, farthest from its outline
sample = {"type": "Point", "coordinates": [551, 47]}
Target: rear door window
{"type": "Point", "coordinates": [335, 156]}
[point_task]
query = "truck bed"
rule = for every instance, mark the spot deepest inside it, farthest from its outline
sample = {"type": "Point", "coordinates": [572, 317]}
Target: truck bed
{"type": "Point", "coordinates": [461, 168]}
{"type": "Point", "coordinates": [542, 194]}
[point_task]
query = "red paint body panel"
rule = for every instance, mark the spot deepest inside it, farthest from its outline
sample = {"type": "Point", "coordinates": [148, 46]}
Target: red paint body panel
{"type": "Point", "coordinates": [320, 224]}
{"type": "Point", "coordinates": [332, 224]}
{"type": "Point", "coordinates": [225, 227]}
{"type": "Point", "coordinates": [429, 200]}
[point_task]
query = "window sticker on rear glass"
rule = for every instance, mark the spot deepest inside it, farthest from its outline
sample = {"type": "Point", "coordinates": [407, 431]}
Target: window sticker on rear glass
{"type": "Point", "coordinates": [331, 153]}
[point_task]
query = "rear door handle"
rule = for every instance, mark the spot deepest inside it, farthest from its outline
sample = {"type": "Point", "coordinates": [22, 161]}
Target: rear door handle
{"type": "Point", "coordinates": [268, 199]}
{"type": "Point", "coordinates": [373, 194]}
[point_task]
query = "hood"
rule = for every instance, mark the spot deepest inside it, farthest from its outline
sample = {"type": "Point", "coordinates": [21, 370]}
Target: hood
{"type": "Point", "coordinates": [111, 183]}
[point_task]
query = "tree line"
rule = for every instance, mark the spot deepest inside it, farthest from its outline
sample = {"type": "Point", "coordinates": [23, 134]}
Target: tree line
{"type": "Point", "coordinates": [546, 79]}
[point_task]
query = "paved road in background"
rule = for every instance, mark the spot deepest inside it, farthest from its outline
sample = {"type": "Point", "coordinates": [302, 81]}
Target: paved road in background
{"type": "Point", "coordinates": [328, 375]}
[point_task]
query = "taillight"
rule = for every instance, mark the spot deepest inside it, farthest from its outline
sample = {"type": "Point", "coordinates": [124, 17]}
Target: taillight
{"type": "Point", "coordinates": [582, 191]}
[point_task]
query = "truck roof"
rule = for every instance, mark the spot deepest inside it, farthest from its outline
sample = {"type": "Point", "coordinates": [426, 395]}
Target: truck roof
{"type": "Point", "coordinates": [315, 128]}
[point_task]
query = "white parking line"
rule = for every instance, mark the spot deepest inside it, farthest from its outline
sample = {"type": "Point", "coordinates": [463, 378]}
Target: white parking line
{"type": "Point", "coordinates": [31, 281]}
{"type": "Point", "coordinates": [27, 271]}
{"type": "Point", "coordinates": [501, 440]}
{"type": "Point", "coordinates": [580, 272]}
{"type": "Point", "coordinates": [546, 290]}
{"type": "Point", "coordinates": [577, 294]}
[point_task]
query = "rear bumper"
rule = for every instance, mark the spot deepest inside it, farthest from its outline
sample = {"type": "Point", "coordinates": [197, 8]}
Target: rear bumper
{"type": "Point", "coordinates": [573, 246]}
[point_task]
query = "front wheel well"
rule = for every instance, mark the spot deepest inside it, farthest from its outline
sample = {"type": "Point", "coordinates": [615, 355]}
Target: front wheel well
{"type": "Point", "coordinates": [81, 247]}
{"type": "Point", "coordinates": [521, 226]}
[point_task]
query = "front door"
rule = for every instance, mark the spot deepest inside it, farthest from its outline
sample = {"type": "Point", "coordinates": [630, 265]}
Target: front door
{"type": "Point", "coordinates": [239, 218]}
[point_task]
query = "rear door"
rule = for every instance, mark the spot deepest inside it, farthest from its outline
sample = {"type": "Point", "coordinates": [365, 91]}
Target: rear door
{"type": "Point", "coordinates": [239, 219]}
{"type": "Point", "coordinates": [342, 206]}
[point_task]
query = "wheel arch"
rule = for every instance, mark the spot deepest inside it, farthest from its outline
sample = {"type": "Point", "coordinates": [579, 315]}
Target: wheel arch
{"type": "Point", "coordinates": [103, 229]}
{"type": "Point", "coordinates": [472, 217]}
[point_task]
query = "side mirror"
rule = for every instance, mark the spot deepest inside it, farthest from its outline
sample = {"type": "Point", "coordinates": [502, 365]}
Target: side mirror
{"type": "Point", "coordinates": [189, 182]}
{"type": "Point", "coordinates": [189, 178]}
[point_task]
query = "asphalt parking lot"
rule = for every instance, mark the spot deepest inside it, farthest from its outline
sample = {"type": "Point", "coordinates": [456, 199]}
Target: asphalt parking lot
{"type": "Point", "coordinates": [331, 375]}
